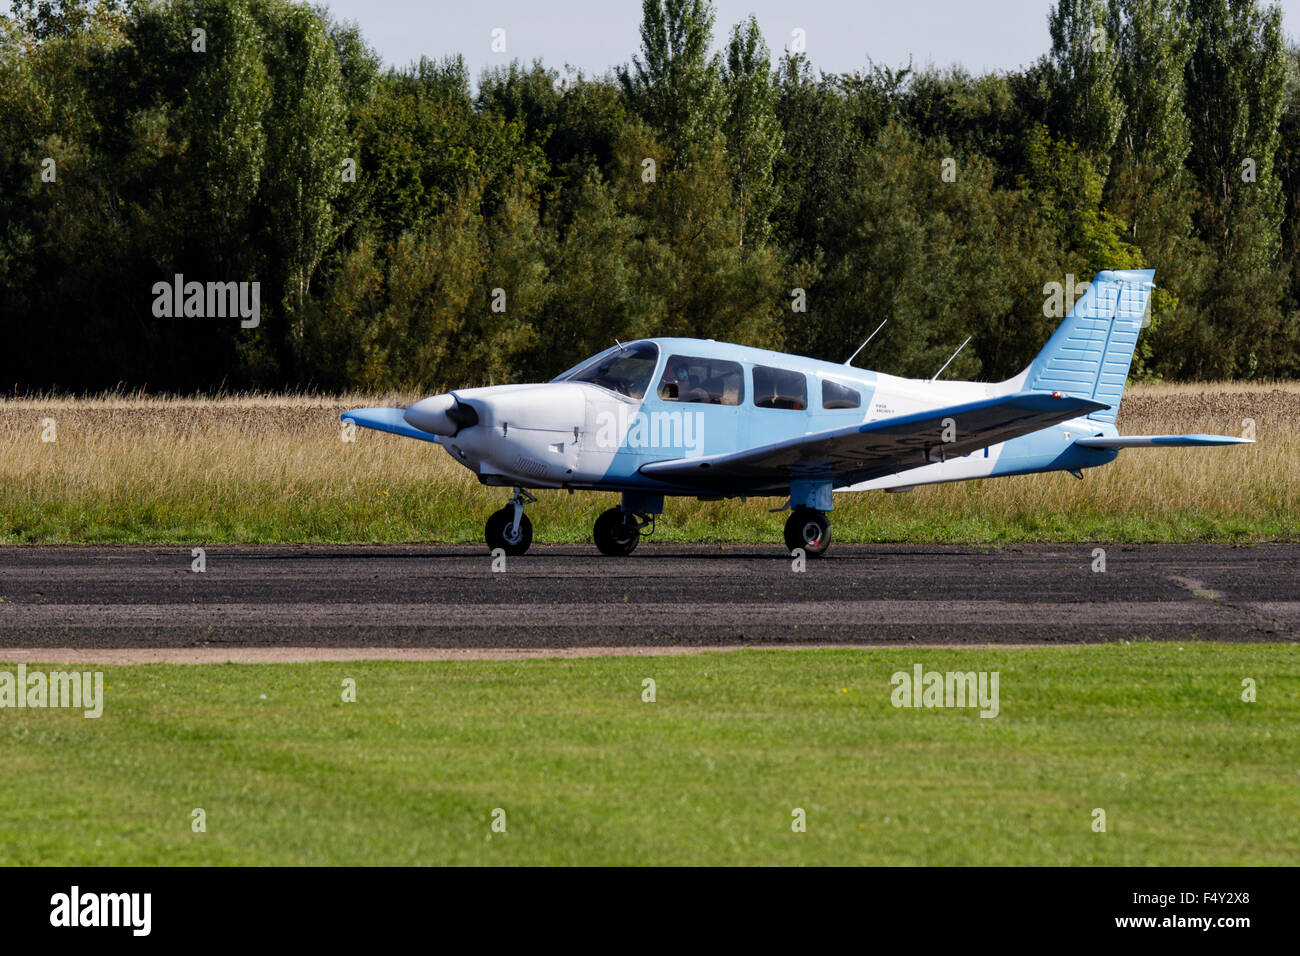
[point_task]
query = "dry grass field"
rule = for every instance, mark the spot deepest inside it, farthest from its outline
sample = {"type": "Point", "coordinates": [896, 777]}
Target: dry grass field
{"type": "Point", "coordinates": [253, 468]}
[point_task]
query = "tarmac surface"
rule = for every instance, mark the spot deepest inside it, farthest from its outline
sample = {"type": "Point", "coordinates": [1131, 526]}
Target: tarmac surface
{"type": "Point", "coordinates": [419, 601]}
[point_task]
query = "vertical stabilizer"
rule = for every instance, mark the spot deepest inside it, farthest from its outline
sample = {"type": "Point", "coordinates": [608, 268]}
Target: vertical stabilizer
{"type": "Point", "coordinates": [1090, 354]}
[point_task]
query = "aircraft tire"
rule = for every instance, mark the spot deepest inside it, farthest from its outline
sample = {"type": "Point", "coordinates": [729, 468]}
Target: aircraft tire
{"type": "Point", "coordinates": [809, 530]}
{"type": "Point", "coordinates": [498, 530]}
{"type": "Point", "coordinates": [616, 533]}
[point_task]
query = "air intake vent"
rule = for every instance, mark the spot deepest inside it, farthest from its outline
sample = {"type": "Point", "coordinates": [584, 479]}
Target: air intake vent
{"type": "Point", "coordinates": [530, 466]}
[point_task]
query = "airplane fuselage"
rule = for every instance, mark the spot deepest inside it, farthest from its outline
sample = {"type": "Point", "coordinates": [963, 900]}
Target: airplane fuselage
{"type": "Point", "coordinates": [585, 435]}
{"type": "Point", "coordinates": [689, 417]}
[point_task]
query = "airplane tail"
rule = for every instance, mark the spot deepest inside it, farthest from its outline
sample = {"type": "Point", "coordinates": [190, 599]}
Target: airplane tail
{"type": "Point", "coordinates": [1090, 353]}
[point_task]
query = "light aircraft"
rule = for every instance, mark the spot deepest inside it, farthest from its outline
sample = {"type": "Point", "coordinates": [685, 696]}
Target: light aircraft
{"type": "Point", "coordinates": [704, 419]}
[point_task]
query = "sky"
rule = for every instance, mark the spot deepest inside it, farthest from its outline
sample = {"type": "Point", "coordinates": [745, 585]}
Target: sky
{"type": "Point", "coordinates": [841, 35]}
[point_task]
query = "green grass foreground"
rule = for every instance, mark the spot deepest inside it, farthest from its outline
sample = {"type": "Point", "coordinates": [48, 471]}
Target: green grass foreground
{"type": "Point", "coordinates": [268, 516]}
{"type": "Point", "coordinates": [1157, 735]}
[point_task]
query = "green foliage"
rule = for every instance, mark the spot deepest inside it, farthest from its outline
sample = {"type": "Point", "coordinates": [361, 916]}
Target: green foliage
{"type": "Point", "coordinates": [689, 192]}
{"type": "Point", "coordinates": [1236, 81]}
{"type": "Point", "coordinates": [1154, 39]}
{"type": "Point", "coordinates": [753, 134]}
{"type": "Point", "coordinates": [1066, 189]}
{"type": "Point", "coordinates": [1085, 100]}
{"type": "Point", "coordinates": [818, 162]}
{"type": "Point", "coordinates": [674, 85]}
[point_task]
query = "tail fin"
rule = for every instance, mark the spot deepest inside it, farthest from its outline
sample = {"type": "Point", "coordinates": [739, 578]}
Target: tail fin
{"type": "Point", "coordinates": [1090, 354]}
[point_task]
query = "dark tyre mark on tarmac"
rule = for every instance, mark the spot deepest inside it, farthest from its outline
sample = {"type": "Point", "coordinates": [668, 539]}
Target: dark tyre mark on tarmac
{"type": "Point", "coordinates": [665, 594]}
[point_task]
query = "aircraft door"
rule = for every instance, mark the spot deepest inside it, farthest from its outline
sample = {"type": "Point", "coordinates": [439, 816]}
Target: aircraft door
{"type": "Point", "coordinates": [696, 408]}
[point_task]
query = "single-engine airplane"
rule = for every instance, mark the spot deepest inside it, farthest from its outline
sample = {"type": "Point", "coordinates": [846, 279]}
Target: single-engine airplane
{"type": "Point", "coordinates": [705, 419]}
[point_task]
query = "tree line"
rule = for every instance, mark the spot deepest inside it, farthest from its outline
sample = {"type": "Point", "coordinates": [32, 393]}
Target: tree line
{"type": "Point", "coordinates": [408, 228]}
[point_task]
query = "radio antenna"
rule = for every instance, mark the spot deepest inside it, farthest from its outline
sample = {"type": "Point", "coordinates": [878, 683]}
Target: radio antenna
{"type": "Point", "coordinates": [949, 362]}
{"type": "Point", "coordinates": [850, 359]}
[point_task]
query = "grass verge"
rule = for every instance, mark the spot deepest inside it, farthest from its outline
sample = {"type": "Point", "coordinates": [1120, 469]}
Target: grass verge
{"type": "Point", "coordinates": [1157, 735]}
{"type": "Point", "coordinates": [264, 469]}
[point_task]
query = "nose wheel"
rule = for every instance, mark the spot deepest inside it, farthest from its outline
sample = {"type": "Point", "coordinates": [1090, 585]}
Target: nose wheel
{"type": "Point", "coordinates": [809, 530]}
{"type": "Point", "coordinates": [618, 532]}
{"type": "Point", "coordinates": [509, 529]}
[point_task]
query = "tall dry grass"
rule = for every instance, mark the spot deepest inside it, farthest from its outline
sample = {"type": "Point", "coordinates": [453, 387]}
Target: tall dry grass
{"type": "Point", "coordinates": [257, 468]}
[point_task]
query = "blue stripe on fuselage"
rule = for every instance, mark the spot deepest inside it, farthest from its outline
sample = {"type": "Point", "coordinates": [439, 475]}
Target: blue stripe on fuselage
{"type": "Point", "coordinates": [1050, 450]}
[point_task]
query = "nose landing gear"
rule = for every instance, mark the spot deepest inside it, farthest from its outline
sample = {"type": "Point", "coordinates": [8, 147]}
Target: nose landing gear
{"type": "Point", "coordinates": [509, 529]}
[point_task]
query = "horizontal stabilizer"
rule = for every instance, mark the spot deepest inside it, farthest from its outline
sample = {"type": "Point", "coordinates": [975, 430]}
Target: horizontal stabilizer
{"type": "Point", "coordinates": [386, 420]}
{"type": "Point", "coordinates": [1168, 441]}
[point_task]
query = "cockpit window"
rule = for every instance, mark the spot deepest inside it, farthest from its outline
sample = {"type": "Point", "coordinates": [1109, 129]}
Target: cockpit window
{"type": "Point", "coordinates": [626, 370]}
{"type": "Point", "coordinates": [705, 380]}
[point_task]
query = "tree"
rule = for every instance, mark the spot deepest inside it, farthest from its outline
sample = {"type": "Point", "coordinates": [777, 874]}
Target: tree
{"type": "Point", "coordinates": [1150, 191]}
{"type": "Point", "coordinates": [675, 88]}
{"type": "Point", "coordinates": [1288, 163]}
{"type": "Point", "coordinates": [306, 140]}
{"type": "Point", "coordinates": [753, 133]}
{"type": "Point", "coordinates": [816, 164]}
{"type": "Point", "coordinates": [408, 232]}
{"type": "Point", "coordinates": [1236, 79]}
{"type": "Point", "coordinates": [1154, 44]}
{"type": "Point", "coordinates": [1085, 103]}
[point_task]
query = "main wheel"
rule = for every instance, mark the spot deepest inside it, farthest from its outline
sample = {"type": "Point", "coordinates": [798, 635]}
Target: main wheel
{"type": "Point", "coordinates": [807, 529]}
{"type": "Point", "coordinates": [498, 533]}
{"type": "Point", "coordinates": [616, 533]}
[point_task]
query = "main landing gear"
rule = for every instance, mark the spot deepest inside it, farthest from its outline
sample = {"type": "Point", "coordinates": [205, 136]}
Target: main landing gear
{"type": "Point", "coordinates": [509, 529]}
{"type": "Point", "coordinates": [618, 532]}
{"type": "Point", "coordinates": [807, 529]}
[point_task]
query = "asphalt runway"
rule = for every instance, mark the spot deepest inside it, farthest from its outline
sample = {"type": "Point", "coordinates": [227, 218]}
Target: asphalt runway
{"type": "Point", "coordinates": [665, 595]}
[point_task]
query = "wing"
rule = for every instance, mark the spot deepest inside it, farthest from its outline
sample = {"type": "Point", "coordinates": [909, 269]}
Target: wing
{"type": "Point", "coordinates": [1164, 441]}
{"type": "Point", "coordinates": [386, 420]}
{"type": "Point", "coordinates": [861, 452]}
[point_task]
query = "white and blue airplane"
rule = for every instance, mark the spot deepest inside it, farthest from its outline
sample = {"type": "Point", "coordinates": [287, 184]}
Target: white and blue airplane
{"type": "Point", "coordinates": [705, 419]}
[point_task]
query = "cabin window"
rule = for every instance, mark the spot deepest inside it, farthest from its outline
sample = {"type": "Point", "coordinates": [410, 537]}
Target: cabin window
{"type": "Point", "coordinates": [835, 395]}
{"type": "Point", "coordinates": [709, 381]}
{"type": "Point", "coordinates": [778, 388]}
{"type": "Point", "coordinates": [626, 370]}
